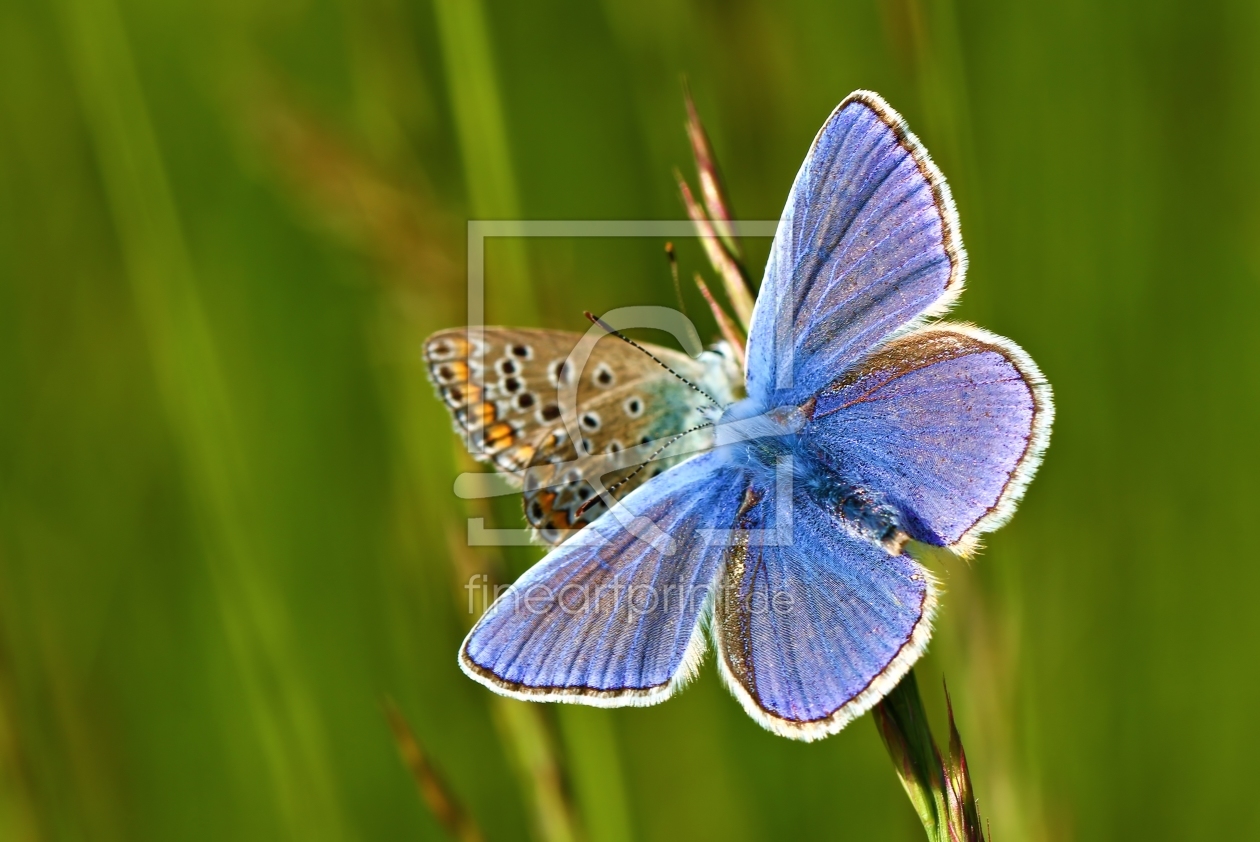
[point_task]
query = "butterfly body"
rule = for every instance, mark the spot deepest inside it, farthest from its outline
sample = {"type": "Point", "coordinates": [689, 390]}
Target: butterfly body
{"type": "Point", "coordinates": [766, 442]}
{"type": "Point", "coordinates": [786, 507]}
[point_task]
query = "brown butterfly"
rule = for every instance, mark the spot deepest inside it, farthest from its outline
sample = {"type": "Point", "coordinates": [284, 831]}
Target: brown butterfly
{"type": "Point", "coordinates": [567, 421]}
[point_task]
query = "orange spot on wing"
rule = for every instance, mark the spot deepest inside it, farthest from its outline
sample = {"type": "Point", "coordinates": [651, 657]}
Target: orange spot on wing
{"type": "Point", "coordinates": [455, 371]}
{"type": "Point", "coordinates": [499, 436]}
{"type": "Point", "coordinates": [476, 416]}
{"type": "Point", "coordinates": [461, 394]}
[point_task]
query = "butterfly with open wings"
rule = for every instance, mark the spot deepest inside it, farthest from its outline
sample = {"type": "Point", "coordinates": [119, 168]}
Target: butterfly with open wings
{"type": "Point", "coordinates": [776, 511]}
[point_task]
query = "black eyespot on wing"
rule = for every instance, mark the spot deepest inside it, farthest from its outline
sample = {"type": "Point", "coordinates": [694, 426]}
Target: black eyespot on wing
{"type": "Point", "coordinates": [550, 412]}
{"type": "Point", "coordinates": [524, 400]}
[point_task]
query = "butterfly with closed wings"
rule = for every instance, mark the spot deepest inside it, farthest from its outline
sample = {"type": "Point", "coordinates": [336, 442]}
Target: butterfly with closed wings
{"type": "Point", "coordinates": [506, 388]}
{"type": "Point", "coordinates": [783, 510]}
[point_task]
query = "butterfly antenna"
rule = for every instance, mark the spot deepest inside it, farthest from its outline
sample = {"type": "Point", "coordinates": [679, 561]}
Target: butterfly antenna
{"type": "Point", "coordinates": [597, 320]}
{"type": "Point", "coordinates": [636, 471]}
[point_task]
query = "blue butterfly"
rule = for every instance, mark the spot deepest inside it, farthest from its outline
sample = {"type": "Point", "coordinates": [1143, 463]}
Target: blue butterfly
{"type": "Point", "coordinates": [866, 425]}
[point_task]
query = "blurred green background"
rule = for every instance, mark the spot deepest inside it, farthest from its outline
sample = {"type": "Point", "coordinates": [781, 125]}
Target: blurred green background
{"type": "Point", "coordinates": [227, 531]}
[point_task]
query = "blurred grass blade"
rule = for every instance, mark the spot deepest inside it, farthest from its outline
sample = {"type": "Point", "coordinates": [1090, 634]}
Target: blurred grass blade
{"type": "Point", "coordinates": [729, 331]}
{"type": "Point", "coordinates": [903, 724]}
{"type": "Point", "coordinates": [436, 794]}
{"type": "Point", "coordinates": [713, 220]}
{"type": "Point", "coordinates": [963, 812]}
{"type": "Point", "coordinates": [600, 789]}
{"type": "Point", "coordinates": [204, 419]}
{"type": "Point", "coordinates": [521, 725]}
{"type": "Point", "coordinates": [468, 55]}
{"type": "Point", "coordinates": [939, 789]}
{"type": "Point", "coordinates": [726, 266]}
{"type": "Point", "coordinates": [532, 745]}
{"type": "Point", "coordinates": [712, 188]}
{"type": "Point", "coordinates": [352, 197]}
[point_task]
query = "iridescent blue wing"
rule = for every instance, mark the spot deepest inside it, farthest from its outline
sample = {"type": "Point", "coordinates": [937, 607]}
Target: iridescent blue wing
{"type": "Point", "coordinates": [813, 623]}
{"type": "Point", "coordinates": [867, 244]}
{"type": "Point", "coordinates": [612, 617]}
{"type": "Point", "coordinates": [946, 424]}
